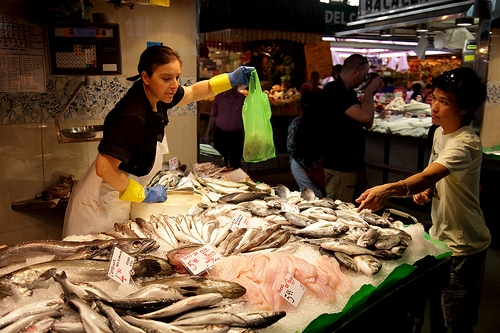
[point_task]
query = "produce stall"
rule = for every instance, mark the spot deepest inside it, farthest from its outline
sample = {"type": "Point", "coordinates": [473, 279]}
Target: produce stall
{"type": "Point", "coordinates": [244, 248]}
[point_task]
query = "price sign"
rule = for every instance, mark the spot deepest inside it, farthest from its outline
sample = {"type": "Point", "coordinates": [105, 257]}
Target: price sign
{"type": "Point", "coordinates": [421, 116]}
{"type": "Point", "coordinates": [173, 163]}
{"type": "Point", "coordinates": [408, 115]}
{"type": "Point", "coordinates": [201, 260]}
{"type": "Point", "coordinates": [291, 290]}
{"type": "Point", "coordinates": [239, 221]}
{"type": "Point", "coordinates": [120, 266]}
{"type": "Point", "coordinates": [286, 207]}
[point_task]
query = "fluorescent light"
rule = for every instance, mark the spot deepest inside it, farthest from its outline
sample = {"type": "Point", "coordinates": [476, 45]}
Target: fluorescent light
{"type": "Point", "coordinates": [464, 21]}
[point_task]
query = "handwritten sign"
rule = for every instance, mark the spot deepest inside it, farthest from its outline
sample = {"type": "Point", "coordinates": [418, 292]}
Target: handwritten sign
{"type": "Point", "coordinates": [120, 266]}
{"type": "Point", "coordinates": [291, 290]}
{"type": "Point", "coordinates": [201, 260]}
{"type": "Point", "coordinates": [239, 221]}
{"type": "Point", "coordinates": [318, 58]}
{"type": "Point", "coordinates": [173, 163]}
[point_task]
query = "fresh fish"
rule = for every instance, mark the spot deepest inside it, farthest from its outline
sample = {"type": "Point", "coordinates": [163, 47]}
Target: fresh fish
{"type": "Point", "coordinates": [30, 309]}
{"type": "Point", "coordinates": [346, 261]}
{"type": "Point", "coordinates": [235, 198]}
{"type": "Point", "coordinates": [278, 239]}
{"type": "Point", "coordinates": [282, 191]}
{"type": "Point", "coordinates": [117, 323]}
{"type": "Point", "coordinates": [323, 202]}
{"type": "Point", "coordinates": [24, 281]}
{"type": "Point", "coordinates": [368, 264]}
{"type": "Point", "coordinates": [231, 240]}
{"type": "Point", "coordinates": [338, 245]}
{"type": "Point", "coordinates": [386, 242]}
{"type": "Point", "coordinates": [153, 326]}
{"type": "Point", "coordinates": [323, 229]}
{"type": "Point", "coordinates": [187, 304]}
{"type": "Point", "coordinates": [250, 234]}
{"type": "Point", "coordinates": [374, 219]}
{"type": "Point", "coordinates": [41, 326]}
{"type": "Point", "coordinates": [174, 224]}
{"type": "Point", "coordinates": [67, 327]}
{"type": "Point", "coordinates": [92, 320]}
{"type": "Point", "coordinates": [226, 307]}
{"type": "Point", "coordinates": [258, 239]}
{"type": "Point", "coordinates": [368, 238]}
{"type": "Point", "coordinates": [261, 319]}
{"type": "Point", "coordinates": [197, 285]}
{"type": "Point", "coordinates": [168, 230]}
{"type": "Point", "coordinates": [71, 288]}
{"type": "Point", "coordinates": [307, 194]}
{"type": "Point", "coordinates": [136, 304]}
{"type": "Point", "coordinates": [124, 228]}
{"type": "Point", "coordinates": [156, 290]}
{"type": "Point", "coordinates": [219, 318]}
{"type": "Point", "coordinates": [297, 219]}
{"type": "Point", "coordinates": [65, 250]}
{"type": "Point", "coordinates": [26, 321]}
{"type": "Point", "coordinates": [206, 328]}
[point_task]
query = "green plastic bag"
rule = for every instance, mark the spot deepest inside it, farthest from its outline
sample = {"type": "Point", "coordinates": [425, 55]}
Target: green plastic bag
{"type": "Point", "coordinates": [259, 144]}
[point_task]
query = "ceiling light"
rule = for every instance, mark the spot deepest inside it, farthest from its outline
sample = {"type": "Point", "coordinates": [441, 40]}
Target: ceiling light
{"type": "Point", "coordinates": [423, 27]}
{"type": "Point", "coordinates": [464, 21]}
{"type": "Point", "coordinates": [385, 33]}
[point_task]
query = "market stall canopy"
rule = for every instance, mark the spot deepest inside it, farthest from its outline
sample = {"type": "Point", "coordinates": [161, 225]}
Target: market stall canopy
{"type": "Point", "coordinates": [232, 21]}
{"type": "Point", "coordinates": [402, 18]}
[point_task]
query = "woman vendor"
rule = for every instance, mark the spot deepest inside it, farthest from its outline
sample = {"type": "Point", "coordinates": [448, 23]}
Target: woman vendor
{"type": "Point", "coordinates": [130, 152]}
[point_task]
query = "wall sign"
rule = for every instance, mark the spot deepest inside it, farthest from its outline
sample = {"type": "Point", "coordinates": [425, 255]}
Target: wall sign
{"type": "Point", "coordinates": [377, 7]}
{"type": "Point", "coordinates": [336, 16]}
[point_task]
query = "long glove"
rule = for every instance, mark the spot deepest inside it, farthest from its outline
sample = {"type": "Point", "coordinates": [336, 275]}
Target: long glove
{"type": "Point", "coordinates": [136, 193]}
{"type": "Point", "coordinates": [223, 82]}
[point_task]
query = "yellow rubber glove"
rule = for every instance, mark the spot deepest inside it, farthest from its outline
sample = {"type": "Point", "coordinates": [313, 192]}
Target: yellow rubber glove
{"type": "Point", "coordinates": [220, 83]}
{"type": "Point", "coordinates": [223, 82]}
{"type": "Point", "coordinates": [134, 192]}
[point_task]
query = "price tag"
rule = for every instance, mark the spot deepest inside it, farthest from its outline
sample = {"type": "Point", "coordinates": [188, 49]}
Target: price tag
{"type": "Point", "coordinates": [286, 207]}
{"type": "Point", "coordinates": [421, 116]}
{"type": "Point", "coordinates": [201, 260]}
{"type": "Point", "coordinates": [291, 290]}
{"type": "Point", "coordinates": [408, 115]}
{"type": "Point", "coordinates": [173, 163]}
{"type": "Point", "coordinates": [120, 266]}
{"type": "Point", "coordinates": [239, 221]}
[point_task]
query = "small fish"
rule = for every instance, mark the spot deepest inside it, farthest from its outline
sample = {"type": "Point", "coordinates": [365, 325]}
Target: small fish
{"type": "Point", "coordinates": [261, 319]}
{"type": "Point", "coordinates": [71, 288]}
{"type": "Point", "coordinates": [30, 309]}
{"type": "Point", "coordinates": [186, 304]}
{"type": "Point", "coordinates": [386, 242]}
{"type": "Point", "coordinates": [368, 238]}
{"type": "Point", "coordinates": [278, 239]}
{"type": "Point", "coordinates": [297, 219]}
{"type": "Point", "coordinates": [259, 238]}
{"type": "Point", "coordinates": [219, 318]}
{"type": "Point", "coordinates": [368, 264]}
{"type": "Point", "coordinates": [345, 247]}
{"type": "Point", "coordinates": [323, 229]}
{"type": "Point", "coordinates": [24, 323]}
{"type": "Point", "coordinates": [136, 304]}
{"type": "Point", "coordinates": [153, 326]}
{"type": "Point", "coordinates": [67, 327]}
{"type": "Point", "coordinates": [235, 198]}
{"type": "Point", "coordinates": [156, 290]}
{"type": "Point", "coordinates": [346, 261]}
{"type": "Point", "coordinates": [117, 323]}
{"type": "Point", "coordinates": [197, 285]}
{"type": "Point", "coordinates": [92, 320]}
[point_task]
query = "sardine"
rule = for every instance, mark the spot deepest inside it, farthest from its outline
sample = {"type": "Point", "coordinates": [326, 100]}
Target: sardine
{"type": "Point", "coordinates": [187, 304]}
{"type": "Point", "coordinates": [92, 320]}
{"type": "Point", "coordinates": [117, 323]}
{"type": "Point", "coordinates": [66, 250]}
{"type": "Point", "coordinates": [368, 264]}
{"type": "Point", "coordinates": [196, 285]}
{"type": "Point", "coordinates": [31, 309]}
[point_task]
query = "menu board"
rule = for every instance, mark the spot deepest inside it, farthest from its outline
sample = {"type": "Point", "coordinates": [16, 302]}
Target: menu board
{"type": "Point", "coordinates": [318, 58]}
{"type": "Point", "coordinates": [22, 64]}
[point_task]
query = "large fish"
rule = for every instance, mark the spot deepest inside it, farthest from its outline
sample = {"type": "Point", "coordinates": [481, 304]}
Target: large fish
{"type": "Point", "coordinates": [184, 305]}
{"type": "Point", "coordinates": [65, 250]}
{"type": "Point", "coordinates": [77, 271]}
{"type": "Point", "coordinates": [196, 285]}
{"type": "Point", "coordinates": [31, 309]}
{"type": "Point", "coordinates": [32, 322]}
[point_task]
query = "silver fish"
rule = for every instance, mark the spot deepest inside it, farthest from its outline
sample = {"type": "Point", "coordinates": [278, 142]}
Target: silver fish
{"type": "Point", "coordinates": [282, 191]}
{"type": "Point", "coordinates": [156, 290]}
{"type": "Point", "coordinates": [230, 242]}
{"type": "Point", "coordinates": [346, 261]}
{"type": "Point", "coordinates": [117, 323]}
{"type": "Point", "coordinates": [307, 194]}
{"type": "Point", "coordinates": [206, 328]}
{"type": "Point", "coordinates": [31, 309]}
{"type": "Point", "coordinates": [71, 288]}
{"type": "Point", "coordinates": [41, 326]}
{"type": "Point", "coordinates": [137, 304]}
{"type": "Point", "coordinates": [261, 319]}
{"type": "Point", "coordinates": [297, 219]}
{"type": "Point", "coordinates": [258, 239]}
{"type": "Point", "coordinates": [220, 318]}
{"type": "Point", "coordinates": [323, 229]}
{"type": "Point", "coordinates": [368, 238]}
{"type": "Point", "coordinates": [226, 307]}
{"type": "Point", "coordinates": [386, 242]}
{"type": "Point", "coordinates": [67, 327]}
{"type": "Point", "coordinates": [368, 264]}
{"type": "Point", "coordinates": [153, 326]}
{"type": "Point", "coordinates": [29, 320]}
{"type": "Point", "coordinates": [250, 234]}
{"type": "Point", "coordinates": [196, 285]}
{"type": "Point", "coordinates": [235, 198]}
{"type": "Point", "coordinates": [187, 304]}
{"type": "Point", "coordinates": [345, 247]}
{"type": "Point", "coordinates": [92, 320]}
{"type": "Point", "coordinates": [65, 250]}
{"type": "Point", "coordinates": [278, 239]}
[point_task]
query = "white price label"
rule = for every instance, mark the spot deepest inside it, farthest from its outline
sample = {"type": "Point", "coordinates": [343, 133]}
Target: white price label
{"type": "Point", "coordinates": [120, 266]}
{"type": "Point", "coordinates": [173, 163]}
{"type": "Point", "coordinates": [201, 260]}
{"type": "Point", "coordinates": [291, 290]}
{"type": "Point", "coordinates": [239, 221]}
{"type": "Point", "coordinates": [286, 207]}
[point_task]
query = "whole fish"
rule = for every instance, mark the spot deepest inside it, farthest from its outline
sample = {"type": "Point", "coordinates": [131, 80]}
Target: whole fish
{"type": "Point", "coordinates": [30, 309]}
{"type": "Point", "coordinates": [67, 327]}
{"type": "Point", "coordinates": [136, 304]}
{"type": "Point", "coordinates": [40, 326]}
{"type": "Point", "coordinates": [297, 219]}
{"type": "Point", "coordinates": [184, 305]}
{"type": "Point", "coordinates": [338, 245]}
{"type": "Point", "coordinates": [258, 239]}
{"type": "Point", "coordinates": [323, 229]}
{"type": "Point", "coordinates": [24, 323]}
{"type": "Point", "coordinates": [307, 194]}
{"type": "Point", "coordinates": [219, 318]}
{"type": "Point", "coordinates": [235, 198]}
{"type": "Point", "coordinates": [66, 250]}
{"type": "Point", "coordinates": [386, 242]}
{"type": "Point", "coordinates": [368, 264]}
{"type": "Point", "coordinates": [197, 285]}
{"type": "Point", "coordinates": [72, 288]}
{"type": "Point", "coordinates": [152, 326]}
{"type": "Point", "coordinates": [92, 320]}
{"type": "Point", "coordinates": [156, 290]}
{"type": "Point", "coordinates": [282, 191]}
{"type": "Point", "coordinates": [117, 323]}
{"type": "Point", "coordinates": [345, 260]}
{"type": "Point", "coordinates": [261, 319]}
{"type": "Point", "coordinates": [368, 238]}
{"type": "Point", "coordinates": [278, 239]}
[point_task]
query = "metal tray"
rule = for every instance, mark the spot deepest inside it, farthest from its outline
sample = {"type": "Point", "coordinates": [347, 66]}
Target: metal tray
{"type": "Point", "coordinates": [82, 131]}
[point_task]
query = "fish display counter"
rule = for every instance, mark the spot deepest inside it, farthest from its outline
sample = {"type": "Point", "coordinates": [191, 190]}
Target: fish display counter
{"type": "Point", "coordinates": [257, 258]}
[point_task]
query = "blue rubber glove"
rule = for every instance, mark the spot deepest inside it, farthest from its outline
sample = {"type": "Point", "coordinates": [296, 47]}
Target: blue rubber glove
{"type": "Point", "coordinates": [156, 193]}
{"type": "Point", "coordinates": [240, 76]}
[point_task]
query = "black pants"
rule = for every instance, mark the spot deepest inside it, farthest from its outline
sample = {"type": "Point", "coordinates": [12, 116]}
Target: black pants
{"type": "Point", "coordinates": [230, 146]}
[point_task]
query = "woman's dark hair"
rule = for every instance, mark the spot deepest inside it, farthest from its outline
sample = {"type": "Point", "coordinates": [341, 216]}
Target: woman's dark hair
{"type": "Point", "coordinates": [154, 57]}
{"type": "Point", "coordinates": [467, 87]}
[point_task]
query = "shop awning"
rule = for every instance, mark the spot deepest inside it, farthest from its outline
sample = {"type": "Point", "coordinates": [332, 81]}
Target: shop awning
{"type": "Point", "coordinates": [235, 21]}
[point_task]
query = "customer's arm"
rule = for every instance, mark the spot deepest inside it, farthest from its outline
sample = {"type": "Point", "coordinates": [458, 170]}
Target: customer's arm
{"type": "Point", "coordinates": [365, 111]}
